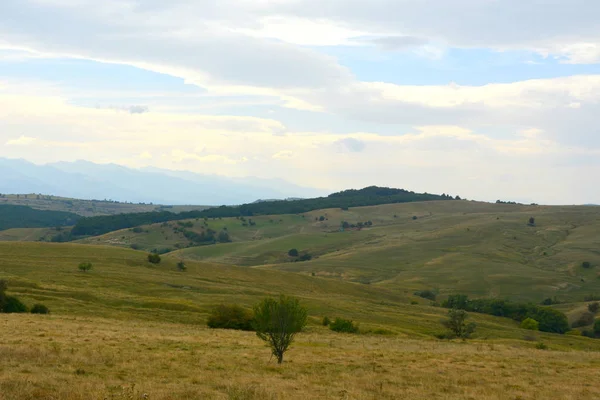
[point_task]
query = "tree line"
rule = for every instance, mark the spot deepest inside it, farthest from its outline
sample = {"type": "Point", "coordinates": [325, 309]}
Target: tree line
{"type": "Point", "coordinates": [370, 196]}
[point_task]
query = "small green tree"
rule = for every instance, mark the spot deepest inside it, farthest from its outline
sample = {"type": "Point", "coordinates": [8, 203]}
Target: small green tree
{"type": "Point", "coordinates": [531, 324]}
{"type": "Point", "coordinates": [85, 266]}
{"type": "Point", "coordinates": [293, 253]}
{"type": "Point", "coordinates": [181, 266]}
{"type": "Point", "coordinates": [594, 307]}
{"type": "Point", "coordinates": [344, 326]}
{"type": "Point", "coordinates": [278, 321]}
{"type": "Point", "coordinates": [230, 317]}
{"type": "Point", "coordinates": [154, 258]}
{"type": "Point", "coordinates": [40, 309]}
{"type": "Point", "coordinates": [597, 328]}
{"type": "Point", "coordinates": [326, 321]}
{"type": "Point", "coordinates": [457, 325]}
{"type": "Point", "coordinates": [586, 264]}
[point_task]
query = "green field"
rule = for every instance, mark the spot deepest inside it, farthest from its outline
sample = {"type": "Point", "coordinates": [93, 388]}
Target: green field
{"type": "Point", "coordinates": [86, 208]}
{"type": "Point", "coordinates": [126, 306]}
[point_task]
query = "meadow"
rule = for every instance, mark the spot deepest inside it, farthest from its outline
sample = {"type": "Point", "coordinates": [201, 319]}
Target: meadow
{"type": "Point", "coordinates": [128, 327]}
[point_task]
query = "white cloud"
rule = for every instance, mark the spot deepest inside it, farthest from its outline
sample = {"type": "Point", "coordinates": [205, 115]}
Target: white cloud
{"type": "Point", "coordinates": [21, 141]}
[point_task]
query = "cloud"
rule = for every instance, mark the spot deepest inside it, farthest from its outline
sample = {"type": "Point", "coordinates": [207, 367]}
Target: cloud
{"type": "Point", "coordinates": [396, 42]}
{"type": "Point", "coordinates": [21, 141]}
{"type": "Point", "coordinates": [349, 145]}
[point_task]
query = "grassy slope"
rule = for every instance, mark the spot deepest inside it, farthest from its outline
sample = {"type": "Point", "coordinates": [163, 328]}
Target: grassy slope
{"type": "Point", "coordinates": [477, 248]}
{"type": "Point", "coordinates": [128, 322]}
{"type": "Point", "coordinates": [86, 208]}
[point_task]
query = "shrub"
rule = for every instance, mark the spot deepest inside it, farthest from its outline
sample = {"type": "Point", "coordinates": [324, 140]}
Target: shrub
{"type": "Point", "coordinates": [426, 294]}
{"type": "Point", "coordinates": [137, 229]}
{"type": "Point", "coordinates": [594, 307]}
{"type": "Point", "coordinates": [587, 318]}
{"type": "Point", "coordinates": [181, 266]}
{"type": "Point", "coordinates": [134, 246]}
{"type": "Point", "coordinates": [224, 236]}
{"type": "Point", "coordinates": [85, 266]}
{"type": "Point", "coordinates": [541, 346]}
{"type": "Point", "coordinates": [13, 305]}
{"type": "Point", "coordinates": [531, 324]}
{"type": "Point", "coordinates": [326, 321]}
{"type": "Point", "coordinates": [278, 321]}
{"type": "Point", "coordinates": [230, 317]}
{"type": "Point", "coordinates": [40, 309]}
{"type": "Point", "coordinates": [414, 217]}
{"type": "Point", "coordinates": [586, 264]}
{"type": "Point", "coordinates": [154, 258]}
{"type": "Point", "coordinates": [344, 326]}
{"type": "Point", "coordinates": [305, 257]}
{"type": "Point", "coordinates": [597, 327]}
{"type": "Point", "coordinates": [293, 253]}
{"type": "Point", "coordinates": [457, 325]}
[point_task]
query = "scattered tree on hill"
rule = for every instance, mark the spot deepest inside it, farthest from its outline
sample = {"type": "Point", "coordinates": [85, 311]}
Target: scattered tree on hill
{"type": "Point", "coordinates": [154, 258]}
{"type": "Point", "coordinates": [293, 253]}
{"type": "Point", "coordinates": [457, 325]}
{"type": "Point", "coordinates": [597, 328]}
{"type": "Point", "coordinates": [40, 309]}
{"type": "Point", "coordinates": [344, 326]}
{"type": "Point", "coordinates": [224, 236]}
{"type": "Point", "coordinates": [9, 304]}
{"type": "Point", "coordinates": [181, 266]}
{"type": "Point", "coordinates": [321, 218]}
{"type": "Point", "coordinates": [586, 264]}
{"type": "Point", "coordinates": [414, 217]}
{"type": "Point", "coordinates": [531, 221]}
{"type": "Point", "coordinates": [278, 321]}
{"type": "Point", "coordinates": [531, 324]}
{"type": "Point", "coordinates": [230, 317]}
{"type": "Point", "coordinates": [587, 318]}
{"type": "Point", "coordinates": [85, 266]}
{"type": "Point", "coordinates": [594, 307]}
{"type": "Point", "coordinates": [326, 321]}
{"type": "Point", "coordinates": [426, 294]}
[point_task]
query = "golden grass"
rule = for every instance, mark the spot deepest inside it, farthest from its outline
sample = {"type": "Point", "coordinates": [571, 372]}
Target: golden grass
{"type": "Point", "coordinates": [67, 358]}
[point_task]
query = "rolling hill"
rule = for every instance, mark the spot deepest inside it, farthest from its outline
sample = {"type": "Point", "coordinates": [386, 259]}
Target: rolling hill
{"type": "Point", "coordinates": [129, 329]}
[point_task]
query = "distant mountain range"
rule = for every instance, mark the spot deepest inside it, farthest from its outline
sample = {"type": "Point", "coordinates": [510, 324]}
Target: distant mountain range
{"type": "Point", "coordinates": [87, 180]}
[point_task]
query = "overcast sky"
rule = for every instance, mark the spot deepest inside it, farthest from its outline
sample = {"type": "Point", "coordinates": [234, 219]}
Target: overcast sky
{"type": "Point", "coordinates": [483, 98]}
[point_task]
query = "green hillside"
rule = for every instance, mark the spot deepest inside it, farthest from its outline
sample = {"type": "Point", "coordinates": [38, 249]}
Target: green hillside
{"type": "Point", "coordinates": [373, 195]}
{"type": "Point", "coordinates": [87, 208]}
{"type": "Point", "coordinates": [12, 216]}
{"type": "Point", "coordinates": [130, 329]}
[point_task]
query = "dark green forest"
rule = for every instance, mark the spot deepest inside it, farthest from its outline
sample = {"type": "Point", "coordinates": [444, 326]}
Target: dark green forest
{"type": "Point", "coordinates": [14, 216]}
{"type": "Point", "coordinates": [370, 196]}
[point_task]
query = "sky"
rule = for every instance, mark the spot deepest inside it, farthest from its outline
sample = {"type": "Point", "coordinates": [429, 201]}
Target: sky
{"type": "Point", "coordinates": [488, 99]}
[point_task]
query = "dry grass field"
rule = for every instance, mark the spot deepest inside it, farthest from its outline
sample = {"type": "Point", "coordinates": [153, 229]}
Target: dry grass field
{"type": "Point", "coordinates": [73, 358]}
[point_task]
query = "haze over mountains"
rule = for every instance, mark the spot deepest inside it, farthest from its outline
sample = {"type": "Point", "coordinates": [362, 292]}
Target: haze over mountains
{"type": "Point", "coordinates": [87, 180]}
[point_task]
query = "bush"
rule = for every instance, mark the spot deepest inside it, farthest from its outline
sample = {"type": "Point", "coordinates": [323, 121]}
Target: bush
{"type": "Point", "coordinates": [135, 246]}
{"type": "Point", "coordinates": [137, 229]}
{"type": "Point", "coordinates": [278, 321]}
{"type": "Point", "coordinates": [326, 321]}
{"type": "Point", "coordinates": [293, 253]}
{"type": "Point", "coordinates": [344, 326]}
{"type": "Point", "coordinates": [457, 325]}
{"type": "Point", "coordinates": [154, 258]}
{"type": "Point", "coordinates": [531, 324]}
{"type": "Point", "coordinates": [85, 266]}
{"type": "Point", "coordinates": [305, 257]}
{"type": "Point", "coordinates": [40, 309]}
{"type": "Point", "coordinates": [230, 317]}
{"type": "Point", "coordinates": [541, 346]}
{"type": "Point", "coordinates": [587, 318]}
{"type": "Point", "coordinates": [586, 264]}
{"type": "Point", "coordinates": [597, 327]}
{"type": "Point", "coordinates": [594, 307]}
{"type": "Point", "coordinates": [181, 266]}
{"type": "Point", "coordinates": [426, 294]}
{"type": "Point", "coordinates": [13, 305]}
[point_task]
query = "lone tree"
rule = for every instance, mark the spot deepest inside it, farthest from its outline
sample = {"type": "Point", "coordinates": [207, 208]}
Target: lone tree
{"type": "Point", "coordinates": [531, 221]}
{"type": "Point", "coordinates": [293, 253]}
{"type": "Point", "coordinates": [278, 321]}
{"type": "Point", "coordinates": [154, 258]}
{"type": "Point", "coordinates": [85, 266]}
{"type": "Point", "coordinates": [457, 325]}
